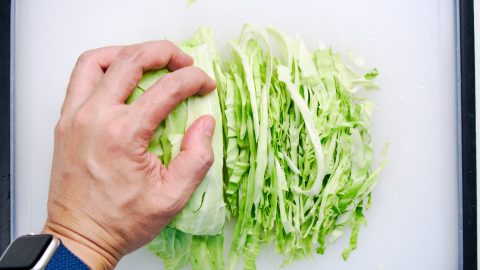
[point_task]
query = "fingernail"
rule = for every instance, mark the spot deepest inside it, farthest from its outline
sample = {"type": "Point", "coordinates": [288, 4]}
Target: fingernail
{"type": "Point", "coordinates": [208, 126]}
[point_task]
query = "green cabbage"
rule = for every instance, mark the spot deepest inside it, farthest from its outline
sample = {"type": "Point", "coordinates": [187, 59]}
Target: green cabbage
{"type": "Point", "coordinates": [196, 233]}
{"type": "Point", "coordinates": [298, 152]}
{"type": "Point", "coordinates": [293, 155]}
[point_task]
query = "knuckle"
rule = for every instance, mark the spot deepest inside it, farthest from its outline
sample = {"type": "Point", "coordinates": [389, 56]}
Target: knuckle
{"type": "Point", "coordinates": [168, 45]}
{"type": "Point", "coordinates": [169, 50]}
{"type": "Point", "coordinates": [209, 158]}
{"type": "Point", "coordinates": [199, 78]}
{"type": "Point", "coordinates": [86, 57]}
{"type": "Point", "coordinates": [131, 64]}
{"type": "Point", "coordinates": [171, 87]}
{"type": "Point", "coordinates": [205, 157]}
{"type": "Point", "coordinates": [198, 73]}
{"type": "Point", "coordinates": [131, 53]}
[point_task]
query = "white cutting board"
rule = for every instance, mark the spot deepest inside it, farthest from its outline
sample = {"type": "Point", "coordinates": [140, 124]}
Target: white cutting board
{"type": "Point", "coordinates": [412, 223]}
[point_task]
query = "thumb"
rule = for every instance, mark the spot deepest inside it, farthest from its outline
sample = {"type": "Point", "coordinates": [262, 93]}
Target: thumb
{"type": "Point", "coordinates": [196, 157]}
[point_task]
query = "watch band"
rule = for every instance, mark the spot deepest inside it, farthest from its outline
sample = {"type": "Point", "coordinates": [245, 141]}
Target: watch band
{"type": "Point", "coordinates": [65, 259]}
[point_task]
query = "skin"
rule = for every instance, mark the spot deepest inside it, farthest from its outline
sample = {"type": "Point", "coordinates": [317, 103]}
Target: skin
{"type": "Point", "coordinates": [108, 195]}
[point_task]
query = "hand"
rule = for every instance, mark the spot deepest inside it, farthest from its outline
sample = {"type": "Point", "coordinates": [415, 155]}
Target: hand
{"type": "Point", "coordinates": [108, 195]}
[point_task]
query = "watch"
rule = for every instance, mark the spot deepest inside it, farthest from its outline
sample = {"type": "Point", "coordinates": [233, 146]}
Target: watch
{"type": "Point", "coordinates": [39, 251]}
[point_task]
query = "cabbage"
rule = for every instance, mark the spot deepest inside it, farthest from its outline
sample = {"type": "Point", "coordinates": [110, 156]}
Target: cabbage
{"type": "Point", "coordinates": [293, 156]}
{"type": "Point", "coordinates": [298, 152]}
{"type": "Point", "coordinates": [196, 233]}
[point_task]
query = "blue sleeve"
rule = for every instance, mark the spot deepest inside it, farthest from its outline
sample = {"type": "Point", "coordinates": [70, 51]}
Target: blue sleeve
{"type": "Point", "coordinates": [65, 259]}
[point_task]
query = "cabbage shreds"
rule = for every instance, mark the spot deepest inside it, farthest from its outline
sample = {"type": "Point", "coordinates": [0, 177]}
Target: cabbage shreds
{"type": "Point", "coordinates": [293, 155]}
{"type": "Point", "coordinates": [298, 153]}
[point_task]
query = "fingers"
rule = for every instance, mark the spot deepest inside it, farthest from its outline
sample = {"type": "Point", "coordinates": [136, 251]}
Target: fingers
{"type": "Point", "coordinates": [190, 166]}
{"type": "Point", "coordinates": [171, 89]}
{"type": "Point", "coordinates": [128, 66]}
{"type": "Point", "coordinates": [89, 69]}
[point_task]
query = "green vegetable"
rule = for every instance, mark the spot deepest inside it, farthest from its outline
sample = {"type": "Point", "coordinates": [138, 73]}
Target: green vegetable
{"type": "Point", "coordinates": [293, 156]}
{"type": "Point", "coordinates": [298, 154]}
{"type": "Point", "coordinates": [173, 246]}
{"type": "Point", "coordinates": [204, 214]}
{"type": "Point", "coordinates": [198, 228]}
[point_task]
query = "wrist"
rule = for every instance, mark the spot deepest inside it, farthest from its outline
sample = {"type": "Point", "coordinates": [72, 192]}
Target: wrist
{"type": "Point", "coordinates": [87, 250]}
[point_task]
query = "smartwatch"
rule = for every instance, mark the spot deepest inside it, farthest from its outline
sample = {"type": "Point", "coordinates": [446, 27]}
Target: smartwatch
{"type": "Point", "coordinates": [39, 251]}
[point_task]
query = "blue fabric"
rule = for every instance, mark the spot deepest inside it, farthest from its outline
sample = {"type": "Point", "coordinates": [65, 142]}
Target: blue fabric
{"type": "Point", "coordinates": [65, 259]}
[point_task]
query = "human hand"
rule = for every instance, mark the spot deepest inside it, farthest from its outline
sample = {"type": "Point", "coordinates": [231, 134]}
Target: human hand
{"type": "Point", "coordinates": [108, 195]}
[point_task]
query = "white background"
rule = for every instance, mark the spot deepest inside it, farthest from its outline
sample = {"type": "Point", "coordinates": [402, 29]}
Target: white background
{"type": "Point", "coordinates": [412, 223]}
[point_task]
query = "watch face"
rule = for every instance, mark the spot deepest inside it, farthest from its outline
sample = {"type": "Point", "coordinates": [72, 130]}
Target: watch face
{"type": "Point", "coordinates": [25, 251]}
